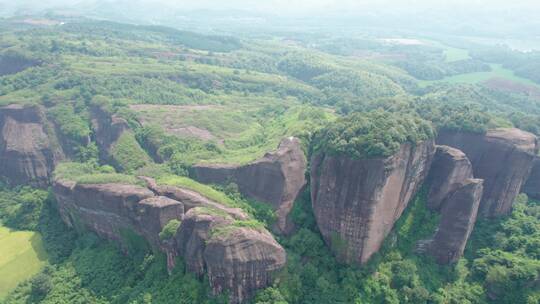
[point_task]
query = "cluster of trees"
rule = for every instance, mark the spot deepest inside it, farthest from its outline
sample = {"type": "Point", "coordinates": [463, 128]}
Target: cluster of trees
{"type": "Point", "coordinates": [372, 134]}
{"type": "Point", "coordinates": [433, 70]}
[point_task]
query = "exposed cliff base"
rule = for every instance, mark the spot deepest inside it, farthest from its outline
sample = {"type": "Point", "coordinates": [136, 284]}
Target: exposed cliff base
{"type": "Point", "coordinates": [458, 216]}
{"type": "Point", "coordinates": [502, 157]}
{"type": "Point", "coordinates": [238, 257]}
{"type": "Point", "coordinates": [276, 178]}
{"type": "Point", "coordinates": [357, 202]}
{"type": "Point", "coordinates": [29, 150]}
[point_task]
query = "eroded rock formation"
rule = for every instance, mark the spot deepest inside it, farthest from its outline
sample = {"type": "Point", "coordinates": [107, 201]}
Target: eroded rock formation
{"type": "Point", "coordinates": [28, 154]}
{"type": "Point", "coordinates": [458, 216]}
{"type": "Point", "coordinates": [450, 168]}
{"type": "Point", "coordinates": [502, 158]}
{"type": "Point", "coordinates": [356, 202]}
{"type": "Point", "coordinates": [239, 259]}
{"type": "Point", "coordinates": [532, 185]}
{"type": "Point", "coordinates": [453, 193]}
{"type": "Point", "coordinates": [277, 178]}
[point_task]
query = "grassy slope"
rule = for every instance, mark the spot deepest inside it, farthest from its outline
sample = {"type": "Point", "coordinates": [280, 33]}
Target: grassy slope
{"type": "Point", "coordinates": [21, 256]}
{"type": "Point", "coordinates": [497, 71]}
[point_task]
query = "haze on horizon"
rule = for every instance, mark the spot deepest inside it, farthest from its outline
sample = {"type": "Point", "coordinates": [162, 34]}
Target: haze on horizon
{"type": "Point", "coordinates": [495, 18]}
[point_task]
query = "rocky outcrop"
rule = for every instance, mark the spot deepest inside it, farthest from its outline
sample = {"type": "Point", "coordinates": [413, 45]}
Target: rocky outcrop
{"type": "Point", "coordinates": [213, 239]}
{"type": "Point", "coordinates": [107, 130]}
{"type": "Point", "coordinates": [532, 185]}
{"type": "Point", "coordinates": [28, 154]}
{"type": "Point", "coordinates": [356, 202]}
{"type": "Point", "coordinates": [458, 216]}
{"type": "Point", "coordinates": [112, 210]}
{"type": "Point", "coordinates": [277, 178]}
{"type": "Point", "coordinates": [502, 158]}
{"type": "Point", "coordinates": [238, 259]}
{"type": "Point", "coordinates": [449, 170]}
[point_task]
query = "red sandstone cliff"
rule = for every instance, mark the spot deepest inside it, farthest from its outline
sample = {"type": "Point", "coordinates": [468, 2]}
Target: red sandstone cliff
{"type": "Point", "coordinates": [28, 154]}
{"type": "Point", "coordinates": [502, 158]}
{"type": "Point", "coordinates": [357, 202]}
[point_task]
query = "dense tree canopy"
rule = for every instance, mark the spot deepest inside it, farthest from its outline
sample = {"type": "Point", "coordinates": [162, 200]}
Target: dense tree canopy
{"type": "Point", "coordinates": [372, 134]}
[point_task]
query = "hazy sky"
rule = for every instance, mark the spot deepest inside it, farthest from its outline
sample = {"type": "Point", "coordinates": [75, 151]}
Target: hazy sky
{"type": "Point", "coordinates": [291, 6]}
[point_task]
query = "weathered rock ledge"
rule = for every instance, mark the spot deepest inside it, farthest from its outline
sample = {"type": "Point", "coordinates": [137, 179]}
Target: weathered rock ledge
{"type": "Point", "coordinates": [357, 202]}
{"type": "Point", "coordinates": [277, 178]}
{"type": "Point", "coordinates": [237, 258]}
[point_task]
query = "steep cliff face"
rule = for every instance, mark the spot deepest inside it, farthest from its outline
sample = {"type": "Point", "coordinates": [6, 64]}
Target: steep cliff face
{"type": "Point", "coordinates": [28, 154]}
{"type": "Point", "coordinates": [449, 170]}
{"type": "Point", "coordinates": [532, 185]}
{"type": "Point", "coordinates": [356, 202]}
{"type": "Point", "coordinates": [502, 157]}
{"type": "Point", "coordinates": [238, 259]}
{"type": "Point", "coordinates": [458, 216]}
{"type": "Point", "coordinates": [277, 178]}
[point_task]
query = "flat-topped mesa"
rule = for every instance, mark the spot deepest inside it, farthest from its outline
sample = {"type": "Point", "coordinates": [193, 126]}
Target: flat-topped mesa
{"type": "Point", "coordinates": [28, 154]}
{"type": "Point", "coordinates": [532, 185]}
{"type": "Point", "coordinates": [450, 168]}
{"type": "Point", "coordinates": [237, 256]}
{"type": "Point", "coordinates": [277, 178]}
{"type": "Point", "coordinates": [502, 157]}
{"type": "Point", "coordinates": [458, 216]}
{"type": "Point", "coordinates": [357, 201]}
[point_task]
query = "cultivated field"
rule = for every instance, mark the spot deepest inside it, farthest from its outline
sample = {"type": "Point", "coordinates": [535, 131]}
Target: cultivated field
{"type": "Point", "coordinates": [21, 256]}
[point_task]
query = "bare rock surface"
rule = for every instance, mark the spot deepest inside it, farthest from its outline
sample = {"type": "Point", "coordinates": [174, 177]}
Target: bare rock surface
{"type": "Point", "coordinates": [502, 158]}
{"type": "Point", "coordinates": [357, 202]}
{"type": "Point", "coordinates": [458, 216]}
{"type": "Point", "coordinates": [450, 168]}
{"type": "Point", "coordinates": [277, 178]}
{"type": "Point", "coordinates": [28, 154]}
